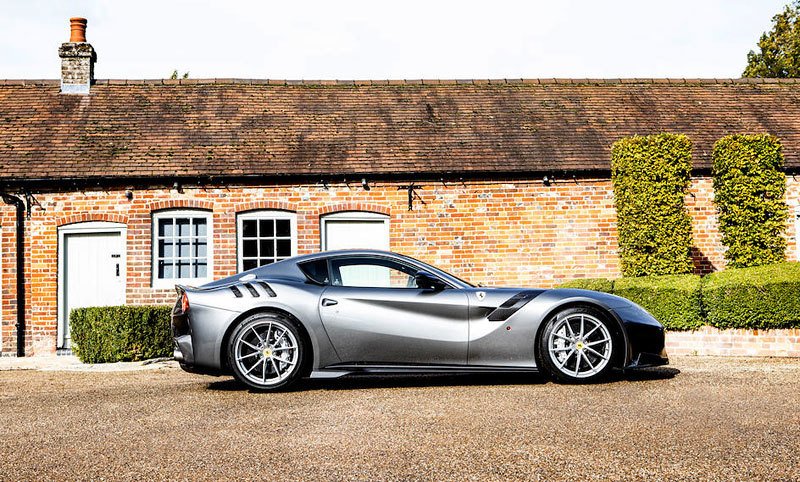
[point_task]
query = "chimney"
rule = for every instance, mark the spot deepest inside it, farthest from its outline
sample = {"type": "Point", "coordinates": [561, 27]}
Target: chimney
{"type": "Point", "coordinates": [77, 60]}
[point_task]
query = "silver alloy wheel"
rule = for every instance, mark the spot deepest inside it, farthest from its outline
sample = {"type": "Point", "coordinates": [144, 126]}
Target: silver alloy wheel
{"type": "Point", "coordinates": [580, 345]}
{"type": "Point", "coordinates": [266, 353]}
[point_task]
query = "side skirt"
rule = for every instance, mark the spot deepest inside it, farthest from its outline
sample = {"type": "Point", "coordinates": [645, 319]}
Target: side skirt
{"type": "Point", "coordinates": [339, 370]}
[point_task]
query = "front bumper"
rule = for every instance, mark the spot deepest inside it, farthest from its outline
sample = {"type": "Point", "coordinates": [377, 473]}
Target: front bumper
{"type": "Point", "coordinates": [644, 359]}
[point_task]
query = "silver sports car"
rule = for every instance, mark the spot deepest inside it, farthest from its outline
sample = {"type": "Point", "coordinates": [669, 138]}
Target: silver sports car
{"type": "Point", "coordinates": [344, 312]}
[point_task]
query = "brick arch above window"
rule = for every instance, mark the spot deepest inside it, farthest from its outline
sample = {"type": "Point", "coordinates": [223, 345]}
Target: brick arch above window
{"type": "Point", "coordinates": [264, 205]}
{"type": "Point", "coordinates": [88, 217]}
{"type": "Point", "coordinates": [180, 204]}
{"type": "Point", "coordinates": [367, 207]}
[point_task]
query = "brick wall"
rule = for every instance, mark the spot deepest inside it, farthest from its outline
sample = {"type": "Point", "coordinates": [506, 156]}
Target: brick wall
{"type": "Point", "coordinates": [515, 233]}
{"type": "Point", "coordinates": [734, 342]}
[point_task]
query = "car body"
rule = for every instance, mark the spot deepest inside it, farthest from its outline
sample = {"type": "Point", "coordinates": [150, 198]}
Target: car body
{"type": "Point", "coordinates": [336, 313]}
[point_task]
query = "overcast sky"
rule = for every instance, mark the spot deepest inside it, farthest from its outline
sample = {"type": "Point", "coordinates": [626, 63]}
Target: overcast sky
{"type": "Point", "coordinates": [405, 39]}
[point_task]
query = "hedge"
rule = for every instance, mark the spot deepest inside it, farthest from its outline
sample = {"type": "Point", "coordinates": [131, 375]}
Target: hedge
{"type": "Point", "coordinates": [651, 176]}
{"type": "Point", "coordinates": [674, 300]}
{"type": "Point", "coordinates": [749, 188]}
{"type": "Point", "coordinates": [594, 284]}
{"type": "Point", "coordinates": [120, 333]}
{"type": "Point", "coordinates": [759, 297]}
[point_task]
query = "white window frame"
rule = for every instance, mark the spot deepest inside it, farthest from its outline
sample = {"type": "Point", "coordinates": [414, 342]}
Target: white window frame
{"type": "Point", "coordinates": [182, 213]}
{"type": "Point", "coordinates": [264, 214]}
{"type": "Point", "coordinates": [352, 216]}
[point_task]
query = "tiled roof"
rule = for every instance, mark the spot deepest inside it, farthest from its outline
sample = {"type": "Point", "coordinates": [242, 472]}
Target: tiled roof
{"type": "Point", "coordinates": [230, 127]}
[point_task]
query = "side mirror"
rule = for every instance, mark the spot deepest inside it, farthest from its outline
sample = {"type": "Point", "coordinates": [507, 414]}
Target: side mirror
{"type": "Point", "coordinates": [427, 281]}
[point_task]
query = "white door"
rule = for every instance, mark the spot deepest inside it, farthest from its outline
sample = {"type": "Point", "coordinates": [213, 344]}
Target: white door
{"type": "Point", "coordinates": [93, 273]}
{"type": "Point", "coordinates": [355, 231]}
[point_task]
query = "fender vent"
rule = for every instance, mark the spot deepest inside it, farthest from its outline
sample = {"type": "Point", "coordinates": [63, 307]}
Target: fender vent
{"type": "Point", "coordinates": [236, 291]}
{"type": "Point", "coordinates": [252, 290]}
{"type": "Point", "coordinates": [512, 305]}
{"type": "Point", "coordinates": [267, 288]}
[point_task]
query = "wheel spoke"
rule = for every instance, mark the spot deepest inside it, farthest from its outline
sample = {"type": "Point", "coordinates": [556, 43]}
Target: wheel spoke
{"type": "Point", "coordinates": [260, 340]}
{"type": "Point", "coordinates": [587, 360]}
{"type": "Point", "coordinates": [248, 344]}
{"type": "Point", "coordinates": [577, 363]}
{"type": "Point", "coordinates": [285, 360]}
{"type": "Point", "coordinates": [275, 366]}
{"type": "Point", "coordinates": [254, 365]}
{"type": "Point", "coordinates": [561, 336]}
{"type": "Point", "coordinates": [247, 356]}
{"type": "Point", "coordinates": [564, 361]}
{"type": "Point", "coordinates": [563, 349]}
{"type": "Point", "coordinates": [597, 342]}
{"type": "Point", "coordinates": [597, 353]}
{"type": "Point", "coordinates": [284, 348]}
{"type": "Point", "coordinates": [569, 327]}
{"type": "Point", "coordinates": [269, 331]}
{"type": "Point", "coordinates": [587, 335]}
{"type": "Point", "coordinates": [279, 338]}
{"type": "Point", "coordinates": [582, 323]}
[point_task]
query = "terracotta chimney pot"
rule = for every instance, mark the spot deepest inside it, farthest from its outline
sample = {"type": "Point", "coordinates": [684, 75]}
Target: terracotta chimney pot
{"type": "Point", "coordinates": [77, 29]}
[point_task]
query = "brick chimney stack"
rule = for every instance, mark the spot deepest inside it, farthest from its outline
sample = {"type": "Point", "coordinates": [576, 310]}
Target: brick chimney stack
{"type": "Point", "coordinates": [77, 60]}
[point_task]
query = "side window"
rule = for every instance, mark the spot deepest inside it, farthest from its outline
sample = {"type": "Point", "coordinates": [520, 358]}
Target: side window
{"type": "Point", "coordinates": [371, 273]}
{"type": "Point", "coordinates": [181, 246]}
{"type": "Point", "coordinates": [265, 237]}
{"type": "Point", "coordinates": [316, 271]}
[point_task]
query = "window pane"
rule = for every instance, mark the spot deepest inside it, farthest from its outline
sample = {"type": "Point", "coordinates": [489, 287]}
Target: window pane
{"type": "Point", "coordinates": [249, 264]}
{"type": "Point", "coordinates": [372, 273]}
{"type": "Point", "coordinates": [267, 248]}
{"type": "Point", "coordinates": [165, 249]}
{"type": "Point", "coordinates": [184, 269]}
{"type": "Point", "coordinates": [282, 227]}
{"type": "Point", "coordinates": [250, 248]}
{"type": "Point", "coordinates": [200, 250]}
{"type": "Point", "coordinates": [182, 225]}
{"type": "Point", "coordinates": [249, 228]}
{"type": "Point", "coordinates": [264, 261]}
{"type": "Point", "coordinates": [183, 248]}
{"type": "Point", "coordinates": [284, 247]}
{"type": "Point", "coordinates": [165, 270]}
{"type": "Point", "coordinates": [267, 228]}
{"type": "Point", "coordinates": [316, 270]}
{"type": "Point", "coordinates": [165, 227]}
{"type": "Point", "coordinates": [200, 270]}
{"type": "Point", "coordinates": [199, 227]}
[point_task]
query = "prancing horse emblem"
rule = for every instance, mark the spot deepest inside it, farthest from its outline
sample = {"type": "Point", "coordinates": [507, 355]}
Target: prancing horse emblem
{"type": "Point", "coordinates": [481, 295]}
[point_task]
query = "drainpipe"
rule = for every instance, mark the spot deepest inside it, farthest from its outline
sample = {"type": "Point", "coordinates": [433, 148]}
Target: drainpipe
{"type": "Point", "coordinates": [20, 205]}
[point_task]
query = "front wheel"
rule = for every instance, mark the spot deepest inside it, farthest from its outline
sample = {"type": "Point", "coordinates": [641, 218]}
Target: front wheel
{"type": "Point", "coordinates": [577, 345]}
{"type": "Point", "coordinates": [266, 352]}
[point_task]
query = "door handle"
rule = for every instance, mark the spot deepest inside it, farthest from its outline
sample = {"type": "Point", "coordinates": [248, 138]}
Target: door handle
{"type": "Point", "coordinates": [329, 302]}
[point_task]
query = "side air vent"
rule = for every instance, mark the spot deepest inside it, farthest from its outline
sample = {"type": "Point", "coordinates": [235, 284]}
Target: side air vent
{"type": "Point", "coordinates": [236, 292]}
{"type": "Point", "coordinates": [252, 290]}
{"type": "Point", "coordinates": [267, 288]}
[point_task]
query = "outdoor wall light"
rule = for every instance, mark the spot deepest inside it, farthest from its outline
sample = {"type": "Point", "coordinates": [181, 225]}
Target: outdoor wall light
{"type": "Point", "coordinates": [365, 184]}
{"type": "Point", "coordinates": [129, 195]}
{"type": "Point", "coordinates": [546, 181]}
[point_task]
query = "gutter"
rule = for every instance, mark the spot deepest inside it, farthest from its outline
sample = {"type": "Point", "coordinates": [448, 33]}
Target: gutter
{"type": "Point", "coordinates": [20, 325]}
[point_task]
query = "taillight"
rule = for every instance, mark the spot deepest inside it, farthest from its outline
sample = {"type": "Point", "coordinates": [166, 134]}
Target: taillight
{"type": "Point", "coordinates": [184, 303]}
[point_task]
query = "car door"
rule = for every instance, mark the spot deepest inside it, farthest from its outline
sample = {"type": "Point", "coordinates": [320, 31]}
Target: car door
{"type": "Point", "coordinates": [374, 313]}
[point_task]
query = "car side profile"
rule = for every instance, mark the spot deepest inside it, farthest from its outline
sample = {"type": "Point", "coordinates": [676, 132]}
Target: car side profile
{"type": "Point", "coordinates": [346, 312]}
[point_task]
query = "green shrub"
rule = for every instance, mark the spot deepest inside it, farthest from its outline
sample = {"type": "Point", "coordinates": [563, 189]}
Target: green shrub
{"type": "Point", "coordinates": [749, 188]}
{"type": "Point", "coordinates": [651, 175]}
{"type": "Point", "coordinates": [595, 284]}
{"type": "Point", "coordinates": [759, 297]}
{"type": "Point", "coordinates": [674, 300]}
{"type": "Point", "coordinates": [120, 333]}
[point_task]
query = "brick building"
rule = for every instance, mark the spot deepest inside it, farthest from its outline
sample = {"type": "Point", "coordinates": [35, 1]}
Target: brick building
{"type": "Point", "coordinates": [118, 188]}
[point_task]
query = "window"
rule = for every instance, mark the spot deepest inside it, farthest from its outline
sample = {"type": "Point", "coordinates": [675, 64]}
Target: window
{"type": "Point", "coordinates": [266, 237]}
{"type": "Point", "coordinates": [316, 271]}
{"type": "Point", "coordinates": [182, 247]}
{"type": "Point", "coordinates": [355, 229]}
{"type": "Point", "coordinates": [372, 273]}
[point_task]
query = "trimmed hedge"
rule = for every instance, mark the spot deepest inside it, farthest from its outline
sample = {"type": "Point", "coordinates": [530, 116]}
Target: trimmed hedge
{"type": "Point", "coordinates": [121, 333]}
{"type": "Point", "coordinates": [594, 284]}
{"type": "Point", "coordinates": [759, 297]}
{"type": "Point", "coordinates": [651, 176]}
{"type": "Point", "coordinates": [674, 300]}
{"type": "Point", "coordinates": [749, 188]}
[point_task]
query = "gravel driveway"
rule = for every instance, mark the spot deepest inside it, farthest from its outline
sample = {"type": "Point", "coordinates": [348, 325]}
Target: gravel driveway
{"type": "Point", "coordinates": [718, 418]}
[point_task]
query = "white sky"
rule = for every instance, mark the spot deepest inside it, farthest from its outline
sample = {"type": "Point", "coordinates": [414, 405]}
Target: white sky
{"type": "Point", "coordinates": [398, 39]}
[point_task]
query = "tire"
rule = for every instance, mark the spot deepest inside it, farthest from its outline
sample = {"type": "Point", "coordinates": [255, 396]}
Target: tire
{"type": "Point", "coordinates": [267, 352]}
{"type": "Point", "coordinates": [578, 345]}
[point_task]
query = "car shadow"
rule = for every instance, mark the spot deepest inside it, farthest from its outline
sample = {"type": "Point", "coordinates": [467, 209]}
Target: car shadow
{"type": "Point", "coordinates": [367, 381]}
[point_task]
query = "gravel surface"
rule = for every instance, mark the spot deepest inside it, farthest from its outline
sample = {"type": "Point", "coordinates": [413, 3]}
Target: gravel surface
{"type": "Point", "coordinates": [701, 418]}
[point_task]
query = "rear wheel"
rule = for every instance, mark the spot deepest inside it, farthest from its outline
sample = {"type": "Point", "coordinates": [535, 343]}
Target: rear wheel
{"type": "Point", "coordinates": [578, 345]}
{"type": "Point", "coordinates": [267, 352]}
